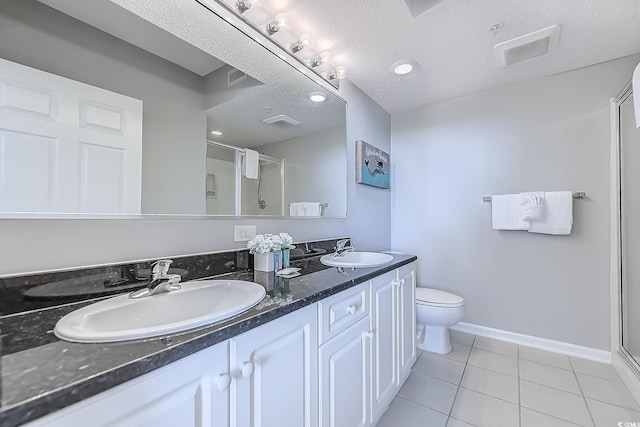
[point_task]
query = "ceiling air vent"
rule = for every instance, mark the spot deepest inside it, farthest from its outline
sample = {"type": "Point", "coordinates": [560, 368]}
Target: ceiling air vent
{"type": "Point", "coordinates": [281, 121]}
{"type": "Point", "coordinates": [527, 47]}
{"type": "Point", "coordinates": [235, 76]}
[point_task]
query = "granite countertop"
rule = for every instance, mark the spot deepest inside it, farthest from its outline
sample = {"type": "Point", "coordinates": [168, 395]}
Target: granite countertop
{"type": "Point", "coordinates": [40, 374]}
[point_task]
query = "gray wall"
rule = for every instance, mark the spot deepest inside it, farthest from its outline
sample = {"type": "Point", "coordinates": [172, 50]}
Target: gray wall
{"type": "Point", "coordinates": [37, 245]}
{"type": "Point", "coordinates": [550, 134]}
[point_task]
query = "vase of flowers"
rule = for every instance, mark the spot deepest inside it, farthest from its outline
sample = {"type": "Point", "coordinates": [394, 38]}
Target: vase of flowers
{"type": "Point", "coordinates": [266, 250]}
{"type": "Point", "coordinates": [285, 247]}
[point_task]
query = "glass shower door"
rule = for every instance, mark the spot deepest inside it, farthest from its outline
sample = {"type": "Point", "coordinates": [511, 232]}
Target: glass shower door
{"type": "Point", "coordinates": [630, 227]}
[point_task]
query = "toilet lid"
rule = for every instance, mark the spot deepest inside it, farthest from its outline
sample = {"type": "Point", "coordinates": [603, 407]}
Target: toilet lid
{"type": "Point", "coordinates": [435, 297]}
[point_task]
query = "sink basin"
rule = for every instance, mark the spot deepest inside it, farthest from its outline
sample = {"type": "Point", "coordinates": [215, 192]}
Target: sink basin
{"type": "Point", "coordinates": [197, 304]}
{"type": "Point", "coordinates": [357, 259]}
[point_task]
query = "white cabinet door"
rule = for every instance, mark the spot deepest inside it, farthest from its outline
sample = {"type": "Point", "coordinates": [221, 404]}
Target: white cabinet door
{"type": "Point", "coordinates": [406, 287]}
{"type": "Point", "coordinates": [187, 393]}
{"type": "Point", "coordinates": [275, 373]}
{"type": "Point", "coordinates": [384, 324]}
{"type": "Point", "coordinates": [344, 378]}
{"type": "Point", "coordinates": [83, 145]}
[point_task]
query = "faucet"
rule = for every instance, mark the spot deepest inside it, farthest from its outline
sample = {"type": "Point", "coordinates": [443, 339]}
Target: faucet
{"type": "Point", "coordinates": [341, 247]}
{"type": "Point", "coordinates": [160, 280]}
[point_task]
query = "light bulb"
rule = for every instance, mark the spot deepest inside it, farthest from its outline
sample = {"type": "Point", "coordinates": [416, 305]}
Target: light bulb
{"type": "Point", "coordinates": [302, 42]}
{"type": "Point", "coordinates": [321, 59]}
{"type": "Point", "coordinates": [339, 73]}
{"type": "Point", "coordinates": [243, 5]}
{"type": "Point", "coordinates": [277, 24]}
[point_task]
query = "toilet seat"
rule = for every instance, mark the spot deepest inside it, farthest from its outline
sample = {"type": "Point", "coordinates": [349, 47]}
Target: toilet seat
{"type": "Point", "coordinates": [436, 298]}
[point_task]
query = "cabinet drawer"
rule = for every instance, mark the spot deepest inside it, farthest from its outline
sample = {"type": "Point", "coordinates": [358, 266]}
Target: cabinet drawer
{"type": "Point", "coordinates": [338, 312]}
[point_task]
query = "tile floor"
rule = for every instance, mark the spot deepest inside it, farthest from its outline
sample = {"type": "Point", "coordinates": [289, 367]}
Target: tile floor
{"type": "Point", "coordinates": [490, 383]}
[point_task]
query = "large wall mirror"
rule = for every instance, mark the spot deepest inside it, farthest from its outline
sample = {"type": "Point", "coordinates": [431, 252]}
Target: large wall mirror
{"type": "Point", "coordinates": [105, 112]}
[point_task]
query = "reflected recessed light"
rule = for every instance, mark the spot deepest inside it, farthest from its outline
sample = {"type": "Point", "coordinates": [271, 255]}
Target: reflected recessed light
{"type": "Point", "coordinates": [317, 97]}
{"type": "Point", "coordinates": [402, 67]}
{"type": "Point", "coordinates": [216, 133]}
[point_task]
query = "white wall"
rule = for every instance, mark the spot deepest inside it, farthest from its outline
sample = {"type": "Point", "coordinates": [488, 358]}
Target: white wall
{"type": "Point", "coordinates": [315, 169]}
{"type": "Point", "coordinates": [37, 245]}
{"type": "Point", "coordinates": [225, 201]}
{"type": "Point", "coordinates": [550, 134]}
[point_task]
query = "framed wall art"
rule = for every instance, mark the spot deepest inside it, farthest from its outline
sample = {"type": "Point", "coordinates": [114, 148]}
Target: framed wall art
{"type": "Point", "coordinates": [372, 165]}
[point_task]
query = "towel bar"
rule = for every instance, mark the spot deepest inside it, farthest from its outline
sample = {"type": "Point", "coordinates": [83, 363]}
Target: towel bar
{"type": "Point", "coordinates": [578, 195]}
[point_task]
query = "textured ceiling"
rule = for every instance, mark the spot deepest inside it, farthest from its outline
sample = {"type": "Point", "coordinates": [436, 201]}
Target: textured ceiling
{"type": "Point", "coordinates": [451, 42]}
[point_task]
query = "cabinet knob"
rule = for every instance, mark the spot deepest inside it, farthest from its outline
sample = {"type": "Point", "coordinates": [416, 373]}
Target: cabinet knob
{"type": "Point", "coordinates": [395, 283]}
{"type": "Point", "coordinates": [402, 282]}
{"type": "Point", "coordinates": [351, 309]}
{"type": "Point", "coordinates": [369, 335]}
{"type": "Point", "coordinates": [247, 370]}
{"type": "Point", "coordinates": [223, 382]}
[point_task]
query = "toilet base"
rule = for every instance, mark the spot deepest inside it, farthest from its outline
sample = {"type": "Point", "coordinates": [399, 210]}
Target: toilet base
{"type": "Point", "coordinates": [434, 339]}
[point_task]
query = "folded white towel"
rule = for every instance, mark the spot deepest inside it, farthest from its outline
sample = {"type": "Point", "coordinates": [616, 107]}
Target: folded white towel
{"type": "Point", "coordinates": [251, 162]}
{"type": "Point", "coordinates": [505, 213]}
{"type": "Point", "coordinates": [314, 209]}
{"type": "Point", "coordinates": [532, 205]}
{"type": "Point", "coordinates": [558, 214]}
{"type": "Point", "coordinates": [298, 209]}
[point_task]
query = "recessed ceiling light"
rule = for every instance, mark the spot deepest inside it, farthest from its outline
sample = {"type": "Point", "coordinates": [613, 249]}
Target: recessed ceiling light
{"type": "Point", "coordinates": [317, 97]}
{"type": "Point", "coordinates": [402, 67]}
{"type": "Point", "coordinates": [216, 133]}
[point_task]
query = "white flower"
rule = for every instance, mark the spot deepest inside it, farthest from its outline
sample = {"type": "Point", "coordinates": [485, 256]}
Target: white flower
{"type": "Point", "coordinates": [265, 243]}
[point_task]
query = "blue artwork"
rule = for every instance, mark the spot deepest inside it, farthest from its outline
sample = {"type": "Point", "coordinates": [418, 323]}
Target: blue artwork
{"type": "Point", "coordinates": [372, 165]}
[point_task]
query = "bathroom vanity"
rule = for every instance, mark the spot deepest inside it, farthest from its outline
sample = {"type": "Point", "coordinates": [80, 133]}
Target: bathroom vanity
{"type": "Point", "coordinates": [322, 349]}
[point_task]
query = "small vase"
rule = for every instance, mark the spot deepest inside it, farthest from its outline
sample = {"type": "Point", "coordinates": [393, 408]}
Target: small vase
{"type": "Point", "coordinates": [277, 260]}
{"type": "Point", "coordinates": [285, 258]}
{"type": "Point", "coordinates": [263, 262]}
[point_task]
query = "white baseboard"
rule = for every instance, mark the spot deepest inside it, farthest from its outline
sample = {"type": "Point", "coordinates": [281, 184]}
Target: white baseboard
{"type": "Point", "coordinates": [536, 342]}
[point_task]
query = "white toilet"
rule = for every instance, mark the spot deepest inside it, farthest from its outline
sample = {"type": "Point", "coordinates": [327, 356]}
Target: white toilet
{"type": "Point", "coordinates": [435, 312]}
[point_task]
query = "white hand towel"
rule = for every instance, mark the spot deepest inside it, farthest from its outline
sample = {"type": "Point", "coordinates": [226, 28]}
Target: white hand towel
{"type": "Point", "coordinates": [505, 213]}
{"type": "Point", "coordinates": [558, 214]}
{"type": "Point", "coordinates": [298, 209]}
{"type": "Point", "coordinates": [314, 209]}
{"type": "Point", "coordinates": [635, 85]}
{"type": "Point", "coordinates": [532, 205]}
{"type": "Point", "coordinates": [251, 161]}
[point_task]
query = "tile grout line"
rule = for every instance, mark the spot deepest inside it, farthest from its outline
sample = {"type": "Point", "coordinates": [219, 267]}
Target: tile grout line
{"type": "Point", "coordinates": [461, 377]}
{"type": "Point", "coordinates": [519, 392]}
{"type": "Point", "coordinates": [582, 392]}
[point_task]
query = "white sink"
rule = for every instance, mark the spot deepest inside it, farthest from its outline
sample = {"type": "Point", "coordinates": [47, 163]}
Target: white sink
{"type": "Point", "coordinates": [357, 259]}
{"type": "Point", "coordinates": [197, 304]}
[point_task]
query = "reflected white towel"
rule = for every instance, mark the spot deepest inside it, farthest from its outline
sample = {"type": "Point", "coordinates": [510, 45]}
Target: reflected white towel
{"type": "Point", "coordinates": [505, 213]}
{"type": "Point", "coordinates": [558, 214]}
{"type": "Point", "coordinates": [314, 209]}
{"type": "Point", "coordinates": [635, 86]}
{"type": "Point", "coordinates": [531, 205]}
{"type": "Point", "coordinates": [251, 161]}
{"type": "Point", "coordinates": [298, 209]}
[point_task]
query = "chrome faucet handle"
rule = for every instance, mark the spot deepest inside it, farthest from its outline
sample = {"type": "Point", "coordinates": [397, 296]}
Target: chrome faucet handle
{"type": "Point", "coordinates": [340, 244]}
{"type": "Point", "coordinates": [160, 268]}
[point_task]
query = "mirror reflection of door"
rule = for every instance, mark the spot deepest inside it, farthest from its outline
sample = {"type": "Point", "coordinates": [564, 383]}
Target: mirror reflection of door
{"type": "Point", "coordinates": [630, 227]}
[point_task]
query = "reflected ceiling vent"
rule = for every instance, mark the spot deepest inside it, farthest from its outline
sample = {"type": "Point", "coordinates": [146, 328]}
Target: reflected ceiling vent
{"type": "Point", "coordinates": [281, 121]}
{"type": "Point", "coordinates": [235, 76]}
{"type": "Point", "coordinates": [529, 46]}
{"type": "Point", "coordinates": [418, 7]}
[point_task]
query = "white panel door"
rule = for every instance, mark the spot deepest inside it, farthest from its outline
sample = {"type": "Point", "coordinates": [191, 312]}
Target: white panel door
{"type": "Point", "coordinates": [275, 373]}
{"type": "Point", "coordinates": [192, 392]}
{"type": "Point", "coordinates": [384, 354]}
{"type": "Point", "coordinates": [344, 378]}
{"type": "Point", "coordinates": [406, 288]}
{"type": "Point", "coordinates": [82, 145]}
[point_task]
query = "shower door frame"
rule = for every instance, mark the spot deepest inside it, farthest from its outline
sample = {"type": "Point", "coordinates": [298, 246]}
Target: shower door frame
{"type": "Point", "coordinates": [626, 366]}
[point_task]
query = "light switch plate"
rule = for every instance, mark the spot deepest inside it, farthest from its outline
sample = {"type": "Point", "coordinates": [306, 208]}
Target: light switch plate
{"type": "Point", "coordinates": [244, 233]}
